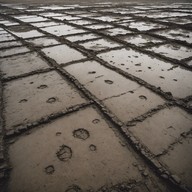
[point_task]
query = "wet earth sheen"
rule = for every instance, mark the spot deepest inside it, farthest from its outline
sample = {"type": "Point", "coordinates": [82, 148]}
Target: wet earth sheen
{"type": "Point", "coordinates": [95, 96]}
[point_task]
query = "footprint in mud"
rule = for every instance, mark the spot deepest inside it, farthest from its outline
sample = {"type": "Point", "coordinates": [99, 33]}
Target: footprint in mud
{"type": "Point", "coordinates": [42, 87]}
{"type": "Point", "coordinates": [109, 82]}
{"type": "Point", "coordinates": [139, 64]}
{"type": "Point", "coordinates": [174, 79]}
{"type": "Point", "coordinates": [162, 77]}
{"type": "Point", "coordinates": [95, 121]}
{"type": "Point", "coordinates": [91, 72]}
{"type": "Point", "coordinates": [50, 169]}
{"type": "Point", "coordinates": [131, 92]}
{"type": "Point", "coordinates": [64, 153]}
{"type": "Point", "coordinates": [51, 100]}
{"type": "Point", "coordinates": [92, 147]}
{"type": "Point", "coordinates": [73, 188]}
{"type": "Point", "coordinates": [31, 83]}
{"type": "Point", "coordinates": [81, 134]}
{"type": "Point", "coordinates": [58, 134]}
{"type": "Point", "coordinates": [143, 97]}
{"type": "Point", "coordinates": [23, 101]}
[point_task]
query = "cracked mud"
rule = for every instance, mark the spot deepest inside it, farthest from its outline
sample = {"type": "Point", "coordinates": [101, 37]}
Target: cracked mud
{"type": "Point", "coordinates": [95, 96]}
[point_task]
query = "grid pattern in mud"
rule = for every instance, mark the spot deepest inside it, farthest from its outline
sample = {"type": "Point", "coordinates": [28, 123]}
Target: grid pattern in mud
{"type": "Point", "coordinates": [130, 62]}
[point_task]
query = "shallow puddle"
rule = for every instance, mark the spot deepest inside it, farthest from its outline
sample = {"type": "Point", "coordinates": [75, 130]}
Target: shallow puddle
{"type": "Point", "coordinates": [155, 72]}
{"type": "Point", "coordinates": [174, 51]}
{"type": "Point", "coordinates": [98, 26]}
{"type": "Point", "coordinates": [99, 44]}
{"type": "Point", "coordinates": [82, 22]}
{"type": "Point", "coordinates": [140, 40]}
{"type": "Point", "coordinates": [66, 17]}
{"type": "Point", "coordinates": [144, 26]}
{"type": "Point", "coordinates": [177, 20]}
{"type": "Point", "coordinates": [116, 31]}
{"type": "Point", "coordinates": [179, 34]}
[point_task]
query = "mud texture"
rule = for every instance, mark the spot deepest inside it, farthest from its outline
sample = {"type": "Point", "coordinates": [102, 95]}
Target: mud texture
{"type": "Point", "coordinates": [95, 96]}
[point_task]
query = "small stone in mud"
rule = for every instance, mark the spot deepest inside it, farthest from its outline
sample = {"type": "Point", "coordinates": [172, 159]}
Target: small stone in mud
{"type": "Point", "coordinates": [49, 169]}
{"type": "Point", "coordinates": [143, 97]}
{"type": "Point", "coordinates": [95, 121]}
{"type": "Point", "coordinates": [92, 147]}
{"type": "Point", "coordinates": [73, 188]}
{"type": "Point", "coordinates": [64, 153]}
{"type": "Point", "coordinates": [145, 174]}
{"type": "Point", "coordinates": [109, 82]}
{"type": "Point", "coordinates": [42, 87]}
{"type": "Point", "coordinates": [81, 134]}
{"type": "Point", "coordinates": [51, 100]}
{"type": "Point", "coordinates": [23, 101]}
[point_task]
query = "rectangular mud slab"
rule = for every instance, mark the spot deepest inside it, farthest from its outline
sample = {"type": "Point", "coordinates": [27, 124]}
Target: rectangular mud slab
{"type": "Point", "coordinates": [154, 71]}
{"type": "Point", "coordinates": [6, 37]}
{"type": "Point", "coordinates": [116, 31]}
{"type": "Point", "coordinates": [63, 54]}
{"type": "Point", "coordinates": [179, 159]}
{"type": "Point", "coordinates": [43, 42]}
{"type": "Point", "coordinates": [140, 40]}
{"type": "Point", "coordinates": [100, 44]}
{"type": "Point", "coordinates": [63, 30]}
{"type": "Point", "coordinates": [133, 103]}
{"type": "Point", "coordinates": [100, 81]}
{"type": "Point", "coordinates": [65, 155]}
{"type": "Point", "coordinates": [10, 44]}
{"type": "Point", "coordinates": [31, 98]}
{"type": "Point", "coordinates": [25, 32]}
{"type": "Point", "coordinates": [144, 26]}
{"type": "Point", "coordinates": [162, 129]}
{"type": "Point", "coordinates": [46, 24]}
{"type": "Point", "coordinates": [179, 34]}
{"type": "Point", "coordinates": [82, 37]}
{"type": "Point", "coordinates": [21, 64]}
{"type": "Point", "coordinates": [174, 51]}
{"type": "Point", "coordinates": [13, 51]}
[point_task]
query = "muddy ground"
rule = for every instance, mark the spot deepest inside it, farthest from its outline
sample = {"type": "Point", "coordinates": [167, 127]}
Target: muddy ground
{"type": "Point", "coordinates": [95, 97]}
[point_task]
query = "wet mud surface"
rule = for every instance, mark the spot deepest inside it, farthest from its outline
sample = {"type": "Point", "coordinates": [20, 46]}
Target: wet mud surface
{"type": "Point", "coordinates": [96, 97]}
